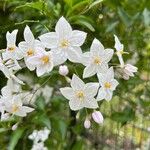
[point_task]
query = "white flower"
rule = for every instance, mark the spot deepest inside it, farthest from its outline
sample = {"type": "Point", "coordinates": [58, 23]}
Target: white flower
{"type": "Point", "coordinates": [15, 106]}
{"type": "Point", "coordinates": [29, 47]}
{"type": "Point", "coordinates": [65, 42]}
{"type": "Point", "coordinates": [119, 48]}
{"type": "Point", "coordinates": [96, 61]}
{"type": "Point", "coordinates": [97, 117]}
{"type": "Point", "coordinates": [87, 123]}
{"type": "Point", "coordinates": [63, 70]}
{"type": "Point", "coordinates": [80, 94]}
{"type": "Point", "coordinates": [128, 71]}
{"type": "Point", "coordinates": [8, 69]}
{"type": "Point", "coordinates": [41, 135]}
{"type": "Point", "coordinates": [12, 51]}
{"type": "Point", "coordinates": [108, 85]}
{"type": "Point", "coordinates": [43, 61]}
{"type": "Point", "coordinates": [39, 146]}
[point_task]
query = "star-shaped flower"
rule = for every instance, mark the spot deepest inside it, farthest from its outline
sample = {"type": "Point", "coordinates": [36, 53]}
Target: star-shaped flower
{"type": "Point", "coordinates": [80, 95]}
{"type": "Point", "coordinates": [120, 50]}
{"type": "Point", "coordinates": [96, 61]}
{"type": "Point", "coordinates": [29, 47]}
{"type": "Point", "coordinates": [15, 106]}
{"type": "Point", "coordinates": [108, 85]}
{"type": "Point", "coordinates": [43, 61]}
{"type": "Point", "coordinates": [12, 51]}
{"type": "Point", "coordinates": [64, 42]}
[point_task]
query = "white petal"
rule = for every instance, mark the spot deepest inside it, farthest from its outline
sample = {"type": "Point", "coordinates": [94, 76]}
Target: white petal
{"type": "Point", "coordinates": [91, 89]}
{"type": "Point", "coordinates": [28, 35]}
{"type": "Point", "coordinates": [49, 40]}
{"type": "Point", "coordinates": [78, 38]}
{"type": "Point", "coordinates": [108, 95]}
{"type": "Point", "coordinates": [91, 103]}
{"type": "Point", "coordinates": [108, 55]}
{"type": "Point", "coordinates": [29, 65]}
{"type": "Point", "coordinates": [110, 74]}
{"type": "Point", "coordinates": [74, 55]}
{"type": "Point", "coordinates": [114, 84]}
{"type": "Point", "coordinates": [75, 104]}
{"type": "Point", "coordinates": [11, 38]}
{"type": "Point", "coordinates": [20, 113]}
{"type": "Point", "coordinates": [102, 68]}
{"type": "Point", "coordinates": [67, 92]}
{"type": "Point", "coordinates": [40, 71]}
{"type": "Point", "coordinates": [27, 109]}
{"type": "Point", "coordinates": [59, 57]}
{"type": "Point", "coordinates": [34, 60]}
{"type": "Point", "coordinates": [63, 28]}
{"type": "Point", "coordinates": [77, 83]}
{"type": "Point", "coordinates": [97, 47]}
{"type": "Point", "coordinates": [101, 94]}
{"type": "Point", "coordinates": [89, 71]}
{"type": "Point", "coordinates": [118, 44]}
{"type": "Point", "coordinates": [85, 58]}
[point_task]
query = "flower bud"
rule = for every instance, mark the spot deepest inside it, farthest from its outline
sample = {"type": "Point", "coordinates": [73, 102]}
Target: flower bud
{"type": "Point", "coordinates": [14, 127]}
{"type": "Point", "coordinates": [87, 123]}
{"type": "Point", "coordinates": [97, 117]}
{"type": "Point", "coordinates": [63, 70]}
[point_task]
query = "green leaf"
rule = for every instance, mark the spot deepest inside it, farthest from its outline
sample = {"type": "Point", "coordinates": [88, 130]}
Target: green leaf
{"type": "Point", "coordinates": [85, 24]}
{"type": "Point", "coordinates": [78, 7]}
{"type": "Point", "coordinates": [95, 3]}
{"type": "Point", "coordinates": [146, 15]}
{"type": "Point", "coordinates": [62, 128]}
{"type": "Point", "coordinates": [112, 26]}
{"type": "Point", "coordinates": [15, 138]}
{"type": "Point", "coordinates": [35, 5]}
{"type": "Point", "coordinates": [124, 17]}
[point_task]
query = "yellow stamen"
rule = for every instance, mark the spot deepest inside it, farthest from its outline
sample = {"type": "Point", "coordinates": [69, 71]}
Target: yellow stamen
{"type": "Point", "coordinates": [80, 95]}
{"type": "Point", "coordinates": [15, 108]}
{"type": "Point", "coordinates": [107, 85]}
{"type": "Point", "coordinates": [45, 59]}
{"type": "Point", "coordinates": [30, 52]}
{"type": "Point", "coordinates": [64, 43]}
{"type": "Point", "coordinates": [97, 60]}
{"type": "Point", "coordinates": [11, 49]}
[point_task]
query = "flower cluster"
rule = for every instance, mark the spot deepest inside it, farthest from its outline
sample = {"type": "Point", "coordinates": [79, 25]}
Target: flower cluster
{"type": "Point", "coordinates": [53, 49]}
{"type": "Point", "coordinates": [38, 138]}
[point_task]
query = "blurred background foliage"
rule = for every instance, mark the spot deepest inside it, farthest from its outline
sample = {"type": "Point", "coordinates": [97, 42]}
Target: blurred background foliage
{"type": "Point", "coordinates": [127, 116]}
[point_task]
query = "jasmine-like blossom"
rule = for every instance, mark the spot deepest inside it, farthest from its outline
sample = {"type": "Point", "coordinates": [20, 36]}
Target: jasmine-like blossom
{"type": "Point", "coordinates": [64, 42]}
{"type": "Point", "coordinates": [80, 95]}
{"type": "Point", "coordinates": [12, 51]}
{"type": "Point", "coordinates": [42, 61]}
{"type": "Point", "coordinates": [108, 85]}
{"type": "Point", "coordinates": [96, 61]}
{"type": "Point", "coordinates": [128, 71]}
{"type": "Point", "coordinates": [29, 47]}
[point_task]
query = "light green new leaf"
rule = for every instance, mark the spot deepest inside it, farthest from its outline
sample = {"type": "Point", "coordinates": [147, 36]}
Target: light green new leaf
{"type": "Point", "coordinates": [15, 138]}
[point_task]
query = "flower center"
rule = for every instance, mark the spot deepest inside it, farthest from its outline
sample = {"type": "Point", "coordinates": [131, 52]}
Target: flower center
{"type": "Point", "coordinates": [45, 59]}
{"type": "Point", "coordinates": [64, 43]}
{"type": "Point", "coordinates": [30, 52]}
{"type": "Point", "coordinates": [97, 60]}
{"type": "Point", "coordinates": [15, 108]}
{"type": "Point", "coordinates": [11, 48]}
{"type": "Point", "coordinates": [80, 95]}
{"type": "Point", "coordinates": [107, 85]}
{"type": "Point", "coordinates": [120, 52]}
